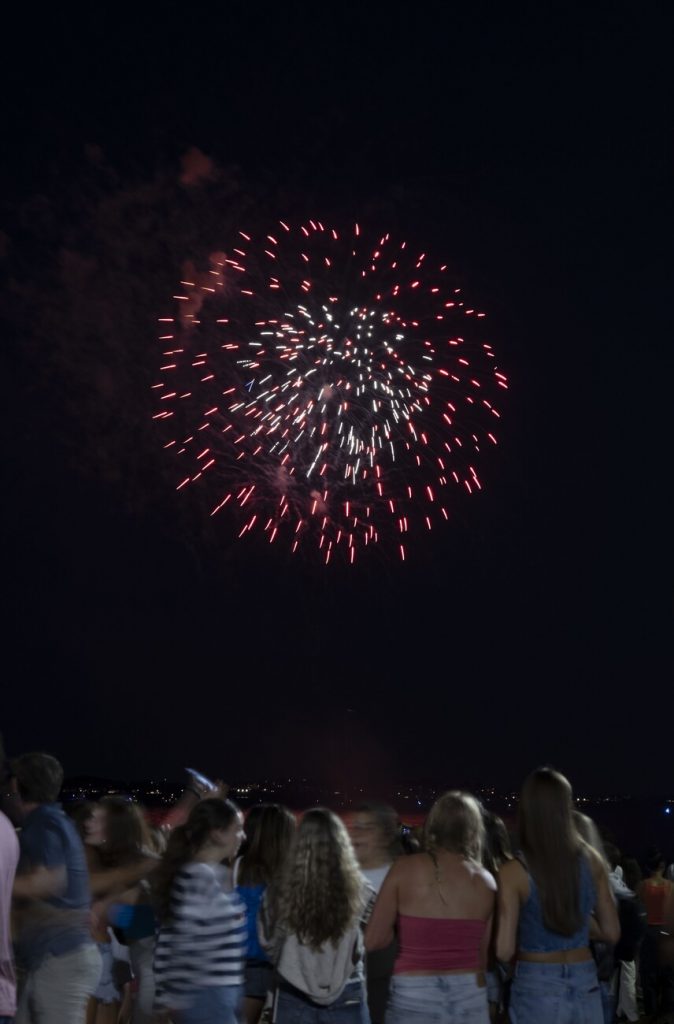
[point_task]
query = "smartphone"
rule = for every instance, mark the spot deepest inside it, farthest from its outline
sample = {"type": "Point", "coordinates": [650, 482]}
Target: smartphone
{"type": "Point", "coordinates": [202, 780]}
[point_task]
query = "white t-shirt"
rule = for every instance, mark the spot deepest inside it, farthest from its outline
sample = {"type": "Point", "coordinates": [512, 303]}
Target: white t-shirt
{"type": "Point", "coordinates": [376, 876]}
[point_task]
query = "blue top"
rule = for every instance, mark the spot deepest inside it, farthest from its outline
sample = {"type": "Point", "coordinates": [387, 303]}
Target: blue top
{"type": "Point", "coordinates": [534, 937]}
{"type": "Point", "coordinates": [49, 839]}
{"type": "Point", "coordinates": [252, 897]}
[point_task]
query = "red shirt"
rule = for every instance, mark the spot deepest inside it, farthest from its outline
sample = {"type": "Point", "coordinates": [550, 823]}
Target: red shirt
{"type": "Point", "coordinates": [654, 895]}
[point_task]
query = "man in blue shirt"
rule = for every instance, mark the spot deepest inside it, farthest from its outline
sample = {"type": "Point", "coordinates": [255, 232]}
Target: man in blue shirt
{"type": "Point", "coordinates": [53, 901]}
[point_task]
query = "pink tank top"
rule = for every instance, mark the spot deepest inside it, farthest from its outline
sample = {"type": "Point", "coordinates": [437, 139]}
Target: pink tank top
{"type": "Point", "coordinates": [438, 944]}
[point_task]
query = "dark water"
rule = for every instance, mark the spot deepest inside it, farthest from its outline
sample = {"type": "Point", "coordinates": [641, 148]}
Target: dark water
{"type": "Point", "coordinates": [634, 826]}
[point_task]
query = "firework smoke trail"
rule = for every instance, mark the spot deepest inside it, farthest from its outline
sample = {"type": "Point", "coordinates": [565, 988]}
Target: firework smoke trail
{"type": "Point", "coordinates": [329, 390]}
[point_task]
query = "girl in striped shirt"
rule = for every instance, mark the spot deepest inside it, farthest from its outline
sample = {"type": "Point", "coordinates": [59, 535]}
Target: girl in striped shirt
{"type": "Point", "coordinates": [201, 947]}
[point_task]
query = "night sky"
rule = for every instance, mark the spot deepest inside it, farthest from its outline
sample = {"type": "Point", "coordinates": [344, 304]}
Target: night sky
{"type": "Point", "coordinates": [530, 148]}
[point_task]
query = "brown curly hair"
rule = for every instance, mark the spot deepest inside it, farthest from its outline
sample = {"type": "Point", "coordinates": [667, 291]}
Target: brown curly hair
{"type": "Point", "coordinates": [321, 892]}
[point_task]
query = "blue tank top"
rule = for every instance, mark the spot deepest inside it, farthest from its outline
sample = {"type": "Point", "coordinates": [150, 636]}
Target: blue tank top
{"type": "Point", "coordinates": [534, 937]}
{"type": "Point", "coordinates": [252, 897]}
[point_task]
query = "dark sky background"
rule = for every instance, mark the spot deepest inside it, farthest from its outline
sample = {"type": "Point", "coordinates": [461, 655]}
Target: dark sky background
{"type": "Point", "coordinates": [532, 147]}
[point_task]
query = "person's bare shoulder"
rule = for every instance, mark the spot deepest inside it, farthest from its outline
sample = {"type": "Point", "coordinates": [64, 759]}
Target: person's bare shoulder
{"type": "Point", "coordinates": [483, 876]}
{"type": "Point", "coordinates": [513, 875]}
{"type": "Point", "coordinates": [597, 864]}
{"type": "Point", "coordinates": [412, 866]}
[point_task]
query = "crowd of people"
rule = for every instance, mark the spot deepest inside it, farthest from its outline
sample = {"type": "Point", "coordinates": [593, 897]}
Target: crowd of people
{"type": "Point", "coordinates": [217, 919]}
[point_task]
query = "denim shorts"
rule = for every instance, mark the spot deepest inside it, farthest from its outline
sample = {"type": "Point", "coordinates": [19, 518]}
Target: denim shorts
{"type": "Point", "coordinates": [221, 1003]}
{"type": "Point", "coordinates": [107, 991]}
{"type": "Point", "coordinates": [259, 979]}
{"type": "Point", "coordinates": [437, 999]}
{"type": "Point", "coordinates": [559, 993]}
{"type": "Point", "coordinates": [494, 987]}
{"type": "Point", "coordinates": [349, 1008]}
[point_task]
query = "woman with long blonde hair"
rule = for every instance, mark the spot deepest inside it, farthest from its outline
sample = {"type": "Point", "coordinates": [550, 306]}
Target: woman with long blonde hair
{"type": "Point", "coordinates": [316, 916]}
{"type": "Point", "coordinates": [441, 903]}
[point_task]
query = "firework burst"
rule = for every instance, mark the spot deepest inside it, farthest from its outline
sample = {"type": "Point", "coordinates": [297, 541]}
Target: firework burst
{"type": "Point", "coordinates": [329, 390]}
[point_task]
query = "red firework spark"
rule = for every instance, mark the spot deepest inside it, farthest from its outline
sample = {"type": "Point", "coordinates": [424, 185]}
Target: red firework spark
{"type": "Point", "coordinates": [325, 389]}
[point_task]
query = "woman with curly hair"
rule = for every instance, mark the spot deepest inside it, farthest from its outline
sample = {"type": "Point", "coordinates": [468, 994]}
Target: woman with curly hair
{"type": "Point", "coordinates": [317, 914]}
{"type": "Point", "coordinates": [201, 946]}
{"type": "Point", "coordinates": [441, 901]}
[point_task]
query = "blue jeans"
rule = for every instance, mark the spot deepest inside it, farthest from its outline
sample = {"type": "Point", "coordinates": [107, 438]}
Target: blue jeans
{"type": "Point", "coordinates": [349, 1008]}
{"type": "Point", "coordinates": [437, 999]}
{"type": "Point", "coordinates": [213, 1004]}
{"type": "Point", "coordinates": [6, 1020]}
{"type": "Point", "coordinates": [607, 1001]}
{"type": "Point", "coordinates": [556, 994]}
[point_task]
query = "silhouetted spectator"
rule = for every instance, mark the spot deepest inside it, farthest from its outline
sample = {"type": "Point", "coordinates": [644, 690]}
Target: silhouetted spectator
{"type": "Point", "coordinates": [657, 976]}
{"type": "Point", "coordinates": [633, 924]}
{"type": "Point", "coordinates": [496, 853]}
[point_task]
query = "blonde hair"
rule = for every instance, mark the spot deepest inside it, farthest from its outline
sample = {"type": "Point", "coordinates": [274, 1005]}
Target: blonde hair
{"type": "Point", "coordinates": [320, 894]}
{"type": "Point", "coordinates": [455, 823]}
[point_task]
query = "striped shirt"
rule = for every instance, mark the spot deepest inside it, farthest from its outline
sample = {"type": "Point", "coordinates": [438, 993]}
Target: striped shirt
{"type": "Point", "coordinates": [203, 941]}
